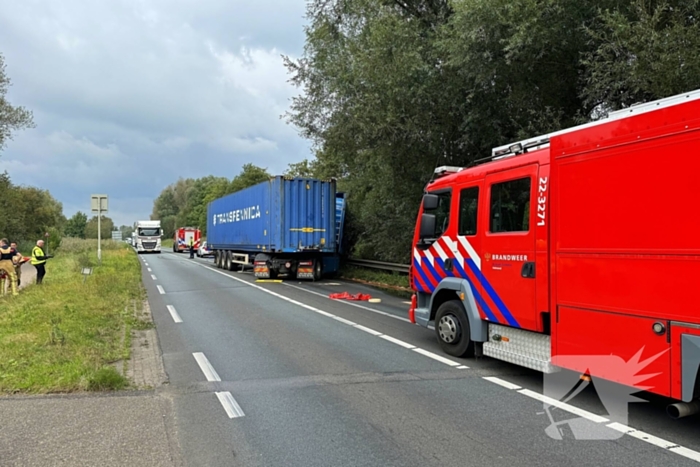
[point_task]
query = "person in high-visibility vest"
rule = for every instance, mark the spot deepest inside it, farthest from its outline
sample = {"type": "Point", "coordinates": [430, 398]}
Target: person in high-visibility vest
{"type": "Point", "coordinates": [191, 247]}
{"type": "Point", "coordinates": [8, 258]}
{"type": "Point", "coordinates": [39, 260]}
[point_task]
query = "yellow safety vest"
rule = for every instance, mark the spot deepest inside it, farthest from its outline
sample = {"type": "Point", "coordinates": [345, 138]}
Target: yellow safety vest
{"type": "Point", "coordinates": [37, 251]}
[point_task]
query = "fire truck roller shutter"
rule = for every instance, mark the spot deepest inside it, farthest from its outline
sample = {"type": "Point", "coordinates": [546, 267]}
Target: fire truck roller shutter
{"type": "Point", "coordinates": [451, 288]}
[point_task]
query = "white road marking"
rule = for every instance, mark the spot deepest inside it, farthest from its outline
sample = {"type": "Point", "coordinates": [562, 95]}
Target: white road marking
{"type": "Point", "coordinates": [368, 330]}
{"type": "Point", "coordinates": [407, 303]}
{"type": "Point", "coordinates": [343, 320]}
{"type": "Point", "coordinates": [153, 277]}
{"type": "Point", "coordinates": [173, 313]}
{"type": "Point", "coordinates": [144, 262]}
{"type": "Point", "coordinates": [149, 269]}
{"type": "Point", "coordinates": [501, 382]}
{"type": "Point", "coordinates": [230, 405]}
{"type": "Point", "coordinates": [206, 367]}
{"type": "Point", "coordinates": [463, 367]}
{"type": "Point", "coordinates": [437, 357]}
{"type": "Point", "coordinates": [397, 342]}
{"type": "Point", "coordinates": [656, 441]}
{"type": "Point", "coordinates": [564, 406]}
{"type": "Point", "coordinates": [161, 290]}
{"type": "Point", "coordinates": [400, 318]}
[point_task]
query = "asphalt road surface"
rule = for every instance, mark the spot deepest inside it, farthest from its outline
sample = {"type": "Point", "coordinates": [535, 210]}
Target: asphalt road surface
{"type": "Point", "coordinates": [277, 374]}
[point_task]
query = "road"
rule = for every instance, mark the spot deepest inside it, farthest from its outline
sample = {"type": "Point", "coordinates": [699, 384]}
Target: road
{"type": "Point", "coordinates": [277, 374]}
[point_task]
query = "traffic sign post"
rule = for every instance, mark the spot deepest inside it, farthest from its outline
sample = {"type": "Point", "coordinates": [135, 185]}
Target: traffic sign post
{"type": "Point", "coordinates": [98, 204]}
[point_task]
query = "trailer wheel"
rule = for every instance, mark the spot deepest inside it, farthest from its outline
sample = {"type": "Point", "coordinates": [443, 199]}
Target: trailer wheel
{"type": "Point", "coordinates": [227, 260]}
{"type": "Point", "coordinates": [452, 329]}
{"type": "Point", "coordinates": [231, 263]}
{"type": "Point", "coordinates": [217, 259]}
{"type": "Point", "coordinates": [318, 270]}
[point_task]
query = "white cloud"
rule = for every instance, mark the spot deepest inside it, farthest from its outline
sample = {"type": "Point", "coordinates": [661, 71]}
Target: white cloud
{"type": "Point", "coordinates": [130, 95]}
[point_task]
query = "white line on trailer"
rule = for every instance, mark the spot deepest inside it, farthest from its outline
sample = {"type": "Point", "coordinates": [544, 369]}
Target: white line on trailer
{"type": "Point", "coordinates": [233, 410]}
{"type": "Point", "coordinates": [173, 313]}
{"type": "Point", "coordinates": [161, 290]}
{"type": "Point", "coordinates": [206, 367]}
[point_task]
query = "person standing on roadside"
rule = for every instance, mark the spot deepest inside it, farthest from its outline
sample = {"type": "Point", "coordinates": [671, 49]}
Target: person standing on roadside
{"type": "Point", "coordinates": [18, 265]}
{"type": "Point", "coordinates": [191, 247]}
{"type": "Point", "coordinates": [39, 260]}
{"type": "Point", "coordinates": [8, 257]}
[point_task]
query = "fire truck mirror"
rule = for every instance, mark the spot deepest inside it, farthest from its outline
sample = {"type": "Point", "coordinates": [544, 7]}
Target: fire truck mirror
{"type": "Point", "coordinates": [430, 202]}
{"type": "Point", "coordinates": [427, 226]}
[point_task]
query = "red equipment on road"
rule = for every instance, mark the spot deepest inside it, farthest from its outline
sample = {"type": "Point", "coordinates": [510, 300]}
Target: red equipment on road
{"type": "Point", "coordinates": [569, 247]}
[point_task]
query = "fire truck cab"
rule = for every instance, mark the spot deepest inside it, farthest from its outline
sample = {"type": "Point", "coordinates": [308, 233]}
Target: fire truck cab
{"type": "Point", "coordinates": [182, 237]}
{"type": "Point", "coordinates": [576, 250]}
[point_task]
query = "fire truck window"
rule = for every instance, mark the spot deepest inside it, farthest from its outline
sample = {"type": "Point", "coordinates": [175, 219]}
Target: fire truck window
{"type": "Point", "coordinates": [442, 213]}
{"type": "Point", "coordinates": [468, 203]}
{"type": "Point", "coordinates": [510, 206]}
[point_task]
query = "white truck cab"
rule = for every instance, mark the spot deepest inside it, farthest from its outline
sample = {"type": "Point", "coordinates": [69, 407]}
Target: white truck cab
{"type": "Point", "coordinates": [148, 237]}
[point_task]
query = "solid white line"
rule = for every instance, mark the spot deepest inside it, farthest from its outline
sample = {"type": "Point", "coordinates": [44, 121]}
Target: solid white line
{"type": "Point", "coordinates": [206, 367]}
{"type": "Point", "coordinates": [149, 269]}
{"type": "Point", "coordinates": [462, 367]}
{"type": "Point", "coordinates": [564, 406]}
{"type": "Point", "coordinates": [349, 303]}
{"type": "Point", "coordinates": [153, 277]}
{"type": "Point", "coordinates": [230, 405]}
{"type": "Point", "coordinates": [368, 330]}
{"type": "Point", "coordinates": [161, 290]}
{"type": "Point", "coordinates": [174, 314]}
{"type": "Point", "coordinates": [343, 320]}
{"type": "Point", "coordinates": [501, 382]}
{"type": "Point", "coordinates": [656, 441]}
{"type": "Point", "coordinates": [397, 342]}
{"type": "Point", "coordinates": [437, 357]}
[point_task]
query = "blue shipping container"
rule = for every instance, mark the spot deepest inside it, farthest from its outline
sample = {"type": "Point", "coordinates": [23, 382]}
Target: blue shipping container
{"type": "Point", "coordinates": [280, 215]}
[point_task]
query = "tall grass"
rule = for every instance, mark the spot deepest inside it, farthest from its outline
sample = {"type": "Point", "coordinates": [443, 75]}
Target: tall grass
{"type": "Point", "coordinates": [63, 335]}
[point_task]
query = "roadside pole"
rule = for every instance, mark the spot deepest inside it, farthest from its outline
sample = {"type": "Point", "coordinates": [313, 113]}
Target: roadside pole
{"type": "Point", "coordinates": [98, 203]}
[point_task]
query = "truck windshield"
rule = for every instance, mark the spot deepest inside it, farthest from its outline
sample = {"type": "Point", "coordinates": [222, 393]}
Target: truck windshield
{"type": "Point", "coordinates": [442, 213]}
{"type": "Point", "coordinates": [149, 232]}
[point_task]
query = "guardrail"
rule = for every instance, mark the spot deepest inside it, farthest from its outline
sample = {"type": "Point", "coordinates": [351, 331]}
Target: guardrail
{"type": "Point", "coordinates": [366, 263]}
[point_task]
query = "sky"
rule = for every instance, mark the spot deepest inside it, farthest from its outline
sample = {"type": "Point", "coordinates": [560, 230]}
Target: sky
{"type": "Point", "coordinates": [130, 95]}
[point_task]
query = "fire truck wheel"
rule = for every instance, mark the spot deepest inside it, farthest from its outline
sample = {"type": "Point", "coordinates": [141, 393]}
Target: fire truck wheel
{"type": "Point", "coordinates": [452, 329]}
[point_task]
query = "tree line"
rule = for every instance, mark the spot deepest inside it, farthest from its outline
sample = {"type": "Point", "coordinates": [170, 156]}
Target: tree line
{"type": "Point", "coordinates": [393, 89]}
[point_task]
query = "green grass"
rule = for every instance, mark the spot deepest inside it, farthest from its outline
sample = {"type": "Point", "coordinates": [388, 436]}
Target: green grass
{"type": "Point", "coordinates": [64, 335]}
{"type": "Point", "coordinates": [166, 243]}
{"type": "Point", "coordinates": [392, 282]}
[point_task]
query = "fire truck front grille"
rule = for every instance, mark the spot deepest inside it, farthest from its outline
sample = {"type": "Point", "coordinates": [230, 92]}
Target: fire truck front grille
{"type": "Point", "coordinates": [149, 245]}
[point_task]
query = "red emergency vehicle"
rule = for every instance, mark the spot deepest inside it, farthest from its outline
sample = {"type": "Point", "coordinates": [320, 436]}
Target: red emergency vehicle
{"type": "Point", "coordinates": [577, 250]}
{"type": "Point", "coordinates": [181, 240]}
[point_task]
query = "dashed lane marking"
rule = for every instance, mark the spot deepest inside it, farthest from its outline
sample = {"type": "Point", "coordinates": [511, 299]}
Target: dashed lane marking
{"type": "Point", "coordinates": [174, 314]}
{"type": "Point", "coordinates": [161, 290]}
{"type": "Point", "coordinates": [153, 277]}
{"type": "Point", "coordinates": [208, 370]}
{"type": "Point", "coordinates": [233, 410]}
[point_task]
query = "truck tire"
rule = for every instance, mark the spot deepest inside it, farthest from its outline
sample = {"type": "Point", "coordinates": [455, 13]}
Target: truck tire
{"type": "Point", "coordinates": [217, 259]}
{"type": "Point", "coordinates": [231, 264]}
{"type": "Point", "coordinates": [452, 330]}
{"type": "Point", "coordinates": [318, 270]}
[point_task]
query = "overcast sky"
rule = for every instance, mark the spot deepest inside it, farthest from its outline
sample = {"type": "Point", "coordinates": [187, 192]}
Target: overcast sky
{"type": "Point", "coordinates": [130, 95]}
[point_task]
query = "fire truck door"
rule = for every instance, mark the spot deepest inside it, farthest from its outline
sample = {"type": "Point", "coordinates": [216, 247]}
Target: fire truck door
{"type": "Point", "coordinates": [509, 246]}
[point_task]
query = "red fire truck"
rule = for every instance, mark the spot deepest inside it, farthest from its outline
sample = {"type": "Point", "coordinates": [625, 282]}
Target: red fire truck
{"type": "Point", "coordinates": [181, 240]}
{"type": "Point", "coordinates": [578, 250]}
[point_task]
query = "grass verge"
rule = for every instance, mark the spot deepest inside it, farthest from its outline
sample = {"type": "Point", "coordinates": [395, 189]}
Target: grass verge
{"type": "Point", "coordinates": [64, 335]}
{"type": "Point", "coordinates": [390, 282]}
{"type": "Point", "coordinates": [166, 243]}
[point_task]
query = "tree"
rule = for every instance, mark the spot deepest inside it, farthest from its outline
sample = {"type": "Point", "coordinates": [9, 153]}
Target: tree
{"type": "Point", "coordinates": [106, 227]}
{"type": "Point", "coordinates": [644, 52]}
{"type": "Point", "coordinates": [11, 118]}
{"type": "Point", "coordinates": [76, 225]}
